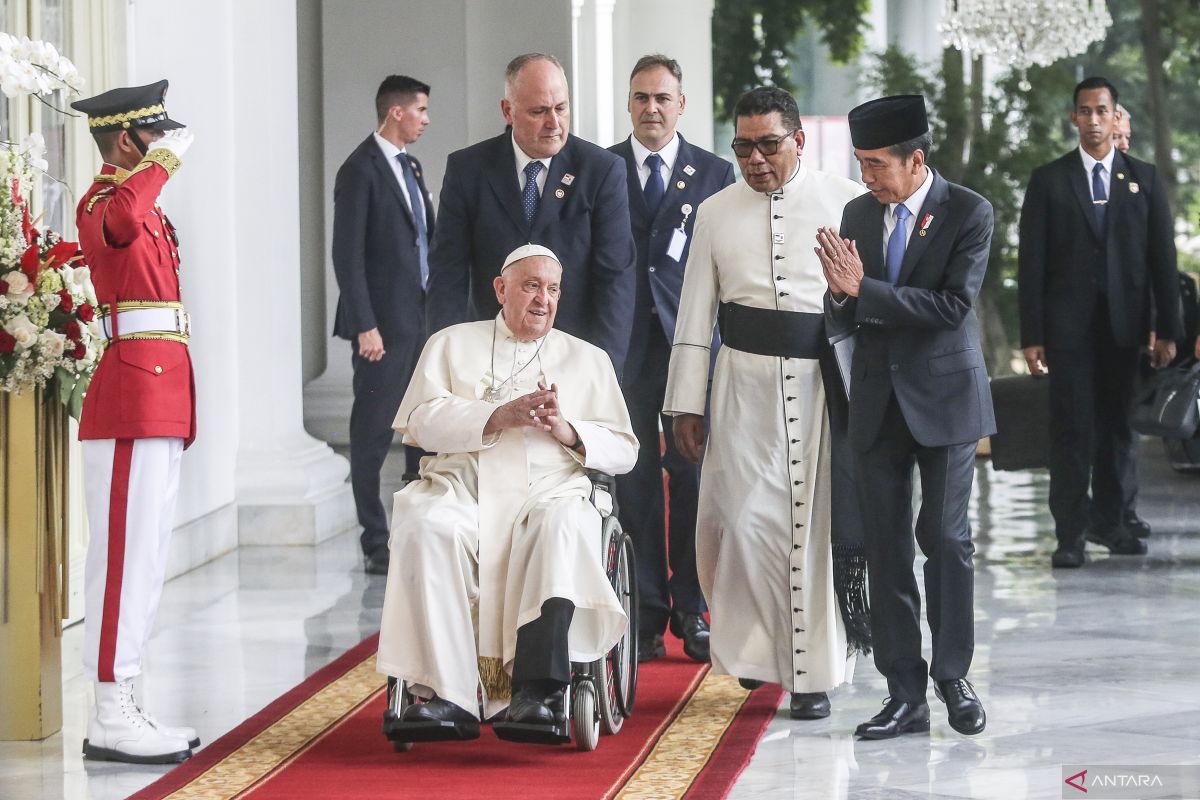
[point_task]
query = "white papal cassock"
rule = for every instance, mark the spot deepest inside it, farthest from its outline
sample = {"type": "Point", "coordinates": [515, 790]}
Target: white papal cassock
{"type": "Point", "coordinates": [497, 525]}
{"type": "Point", "coordinates": [762, 531]}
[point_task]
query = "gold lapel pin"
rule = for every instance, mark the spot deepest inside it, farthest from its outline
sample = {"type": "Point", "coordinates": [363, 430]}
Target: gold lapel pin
{"type": "Point", "coordinates": [560, 193]}
{"type": "Point", "coordinates": [680, 184]}
{"type": "Point", "coordinates": [1120, 176]}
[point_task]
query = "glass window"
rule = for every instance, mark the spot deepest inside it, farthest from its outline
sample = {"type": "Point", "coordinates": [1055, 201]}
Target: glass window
{"type": "Point", "coordinates": [55, 16]}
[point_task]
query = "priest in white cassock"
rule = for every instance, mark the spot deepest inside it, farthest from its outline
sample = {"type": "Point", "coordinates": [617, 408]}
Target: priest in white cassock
{"type": "Point", "coordinates": [763, 535]}
{"type": "Point", "coordinates": [495, 566]}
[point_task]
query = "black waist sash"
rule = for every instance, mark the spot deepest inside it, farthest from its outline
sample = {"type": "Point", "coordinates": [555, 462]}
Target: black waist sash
{"type": "Point", "coordinates": [768, 332]}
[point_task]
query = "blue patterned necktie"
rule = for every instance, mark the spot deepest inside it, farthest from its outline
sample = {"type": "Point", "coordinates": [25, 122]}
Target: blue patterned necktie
{"type": "Point", "coordinates": [654, 189]}
{"type": "Point", "coordinates": [1099, 196]}
{"type": "Point", "coordinates": [897, 243]}
{"type": "Point", "coordinates": [416, 204]}
{"type": "Point", "coordinates": [529, 195]}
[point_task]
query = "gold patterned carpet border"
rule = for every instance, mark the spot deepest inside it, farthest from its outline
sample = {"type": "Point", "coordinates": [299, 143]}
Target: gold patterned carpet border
{"type": "Point", "coordinates": [284, 740]}
{"type": "Point", "coordinates": [688, 743]}
{"type": "Point", "coordinates": [675, 760]}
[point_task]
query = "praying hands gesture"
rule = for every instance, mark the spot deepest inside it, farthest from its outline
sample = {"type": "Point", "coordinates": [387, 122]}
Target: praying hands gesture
{"type": "Point", "coordinates": [534, 410]}
{"type": "Point", "coordinates": [840, 261]}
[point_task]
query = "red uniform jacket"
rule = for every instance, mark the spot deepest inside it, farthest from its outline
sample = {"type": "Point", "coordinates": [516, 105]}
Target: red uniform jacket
{"type": "Point", "coordinates": [142, 389]}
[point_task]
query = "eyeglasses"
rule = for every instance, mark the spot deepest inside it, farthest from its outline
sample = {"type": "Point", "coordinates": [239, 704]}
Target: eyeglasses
{"type": "Point", "coordinates": [742, 148]}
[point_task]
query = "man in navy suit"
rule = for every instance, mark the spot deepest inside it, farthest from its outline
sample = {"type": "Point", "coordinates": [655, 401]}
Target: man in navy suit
{"type": "Point", "coordinates": [536, 184]}
{"type": "Point", "coordinates": [905, 270]}
{"type": "Point", "coordinates": [382, 226]}
{"type": "Point", "coordinates": [1097, 245]}
{"type": "Point", "coordinates": [667, 179]}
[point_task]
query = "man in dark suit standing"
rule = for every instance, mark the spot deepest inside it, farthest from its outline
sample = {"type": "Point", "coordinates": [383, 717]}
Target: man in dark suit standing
{"type": "Point", "coordinates": [668, 179]}
{"type": "Point", "coordinates": [1097, 244]}
{"type": "Point", "coordinates": [905, 270]}
{"type": "Point", "coordinates": [382, 224]}
{"type": "Point", "coordinates": [536, 184]}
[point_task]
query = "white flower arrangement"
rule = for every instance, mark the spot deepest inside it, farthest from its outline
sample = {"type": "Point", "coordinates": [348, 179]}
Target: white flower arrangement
{"type": "Point", "coordinates": [48, 332]}
{"type": "Point", "coordinates": [36, 68]}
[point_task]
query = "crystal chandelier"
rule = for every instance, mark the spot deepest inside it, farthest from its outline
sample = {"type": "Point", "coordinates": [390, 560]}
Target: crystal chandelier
{"type": "Point", "coordinates": [1023, 33]}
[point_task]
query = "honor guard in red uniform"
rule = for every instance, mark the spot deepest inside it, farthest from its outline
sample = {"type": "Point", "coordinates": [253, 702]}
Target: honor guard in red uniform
{"type": "Point", "coordinates": [138, 416]}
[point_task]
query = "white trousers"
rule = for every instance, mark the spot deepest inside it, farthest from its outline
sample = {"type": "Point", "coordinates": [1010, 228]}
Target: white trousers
{"type": "Point", "coordinates": [130, 487]}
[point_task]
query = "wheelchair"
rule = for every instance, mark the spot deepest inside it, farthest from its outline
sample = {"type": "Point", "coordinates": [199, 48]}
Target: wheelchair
{"type": "Point", "coordinates": [602, 692]}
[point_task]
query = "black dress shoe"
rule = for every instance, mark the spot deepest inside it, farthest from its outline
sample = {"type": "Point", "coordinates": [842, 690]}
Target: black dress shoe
{"type": "Point", "coordinates": [897, 717]}
{"type": "Point", "coordinates": [437, 710]}
{"type": "Point", "coordinates": [1069, 555]}
{"type": "Point", "coordinates": [529, 707]}
{"type": "Point", "coordinates": [376, 563]}
{"type": "Point", "coordinates": [749, 684]}
{"type": "Point", "coordinates": [650, 647]}
{"type": "Point", "coordinates": [1136, 525]}
{"type": "Point", "coordinates": [1117, 541]}
{"type": "Point", "coordinates": [963, 705]}
{"type": "Point", "coordinates": [809, 705]}
{"type": "Point", "coordinates": [693, 630]}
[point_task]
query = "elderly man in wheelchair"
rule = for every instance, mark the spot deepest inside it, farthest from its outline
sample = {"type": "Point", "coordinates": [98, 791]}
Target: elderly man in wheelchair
{"type": "Point", "coordinates": [497, 582]}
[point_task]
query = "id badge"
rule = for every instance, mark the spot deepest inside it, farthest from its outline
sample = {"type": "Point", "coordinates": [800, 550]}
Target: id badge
{"type": "Point", "coordinates": [675, 248]}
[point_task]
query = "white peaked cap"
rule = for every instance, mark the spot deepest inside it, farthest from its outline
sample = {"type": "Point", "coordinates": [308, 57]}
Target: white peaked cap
{"type": "Point", "coordinates": [527, 250]}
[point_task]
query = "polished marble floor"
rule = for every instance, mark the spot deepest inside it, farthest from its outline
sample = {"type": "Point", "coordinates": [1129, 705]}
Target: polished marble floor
{"type": "Point", "coordinates": [1090, 666]}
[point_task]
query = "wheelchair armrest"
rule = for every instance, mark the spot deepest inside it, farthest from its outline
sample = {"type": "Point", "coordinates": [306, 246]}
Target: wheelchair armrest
{"type": "Point", "coordinates": [603, 484]}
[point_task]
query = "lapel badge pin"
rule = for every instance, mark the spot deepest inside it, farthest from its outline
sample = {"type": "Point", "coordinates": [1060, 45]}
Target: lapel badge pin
{"type": "Point", "coordinates": [568, 179]}
{"type": "Point", "coordinates": [689, 170]}
{"type": "Point", "coordinates": [925, 223]}
{"type": "Point", "coordinates": [1120, 176]}
{"type": "Point", "coordinates": [560, 193]}
{"type": "Point", "coordinates": [680, 184]}
{"type": "Point", "coordinates": [1133, 187]}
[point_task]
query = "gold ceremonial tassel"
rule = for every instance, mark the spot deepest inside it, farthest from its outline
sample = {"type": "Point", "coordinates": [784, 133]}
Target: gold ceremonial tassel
{"type": "Point", "coordinates": [496, 683]}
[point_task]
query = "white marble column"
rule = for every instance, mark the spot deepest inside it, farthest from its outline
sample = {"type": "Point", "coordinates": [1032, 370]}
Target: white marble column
{"type": "Point", "coordinates": [291, 487]}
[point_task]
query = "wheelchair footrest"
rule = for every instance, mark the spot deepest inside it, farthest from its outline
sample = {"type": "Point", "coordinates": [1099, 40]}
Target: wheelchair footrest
{"type": "Point", "coordinates": [399, 731]}
{"type": "Point", "coordinates": [531, 733]}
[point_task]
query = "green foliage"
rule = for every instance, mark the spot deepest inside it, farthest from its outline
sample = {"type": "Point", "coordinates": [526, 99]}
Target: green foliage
{"type": "Point", "coordinates": [753, 40]}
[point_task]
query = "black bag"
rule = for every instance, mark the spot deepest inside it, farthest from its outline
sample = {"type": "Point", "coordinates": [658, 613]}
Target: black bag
{"type": "Point", "coordinates": [1167, 405]}
{"type": "Point", "coordinates": [1022, 404]}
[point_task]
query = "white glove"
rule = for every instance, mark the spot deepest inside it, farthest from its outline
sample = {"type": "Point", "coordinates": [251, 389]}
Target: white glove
{"type": "Point", "coordinates": [177, 141]}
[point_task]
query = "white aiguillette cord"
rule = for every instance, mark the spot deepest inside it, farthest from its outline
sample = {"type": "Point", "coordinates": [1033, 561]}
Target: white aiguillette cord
{"type": "Point", "coordinates": [493, 392]}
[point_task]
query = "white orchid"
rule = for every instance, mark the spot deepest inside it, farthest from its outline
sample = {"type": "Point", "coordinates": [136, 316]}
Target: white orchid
{"type": "Point", "coordinates": [30, 67]}
{"type": "Point", "coordinates": [32, 148]}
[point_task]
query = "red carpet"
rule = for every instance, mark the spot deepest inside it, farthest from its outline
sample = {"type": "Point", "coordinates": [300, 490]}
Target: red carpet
{"type": "Point", "coordinates": [691, 734]}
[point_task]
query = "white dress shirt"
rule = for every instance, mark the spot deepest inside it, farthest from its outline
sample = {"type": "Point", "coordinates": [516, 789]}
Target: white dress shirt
{"type": "Point", "coordinates": [668, 154]}
{"type": "Point", "coordinates": [522, 161]}
{"type": "Point", "coordinates": [913, 203]}
{"type": "Point", "coordinates": [1089, 164]}
{"type": "Point", "coordinates": [390, 151]}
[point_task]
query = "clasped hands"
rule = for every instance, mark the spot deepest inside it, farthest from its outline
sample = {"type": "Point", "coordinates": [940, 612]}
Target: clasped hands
{"type": "Point", "coordinates": [534, 410]}
{"type": "Point", "coordinates": [840, 261]}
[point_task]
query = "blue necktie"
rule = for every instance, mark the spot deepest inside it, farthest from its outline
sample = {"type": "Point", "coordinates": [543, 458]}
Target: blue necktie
{"type": "Point", "coordinates": [654, 189]}
{"type": "Point", "coordinates": [1099, 196]}
{"type": "Point", "coordinates": [529, 196]}
{"type": "Point", "coordinates": [897, 243]}
{"type": "Point", "coordinates": [416, 203]}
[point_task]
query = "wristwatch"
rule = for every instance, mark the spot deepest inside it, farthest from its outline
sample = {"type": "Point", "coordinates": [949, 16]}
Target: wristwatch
{"type": "Point", "coordinates": [578, 443]}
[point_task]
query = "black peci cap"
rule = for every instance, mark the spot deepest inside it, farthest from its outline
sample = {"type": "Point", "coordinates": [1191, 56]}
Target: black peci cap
{"type": "Point", "coordinates": [128, 107]}
{"type": "Point", "coordinates": [888, 121]}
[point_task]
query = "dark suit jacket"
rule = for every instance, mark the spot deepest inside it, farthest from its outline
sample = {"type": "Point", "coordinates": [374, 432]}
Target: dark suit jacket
{"type": "Point", "coordinates": [920, 337]}
{"type": "Point", "coordinates": [375, 254]}
{"type": "Point", "coordinates": [660, 277]}
{"type": "Point", "coordinates": [481, 222]}
{"type": "Point", "coordinates": [1063, 255]}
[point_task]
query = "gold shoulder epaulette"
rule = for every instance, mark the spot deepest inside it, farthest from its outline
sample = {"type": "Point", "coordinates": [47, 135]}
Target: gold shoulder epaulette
{"type": "Point", "coordinates": [99, 195]}
{"type": "Point", "coordinates": [161, 156]}
{"type": "Point", "coordinates": [105, 178]}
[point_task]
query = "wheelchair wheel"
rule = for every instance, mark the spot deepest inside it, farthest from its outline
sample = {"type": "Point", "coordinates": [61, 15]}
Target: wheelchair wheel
{"type": "Point", "coordinates": [616, 673]}
{"type": "Point", "coordinates": [585, 721]}
{"type": "Point", "coordinates": [398, 698]}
